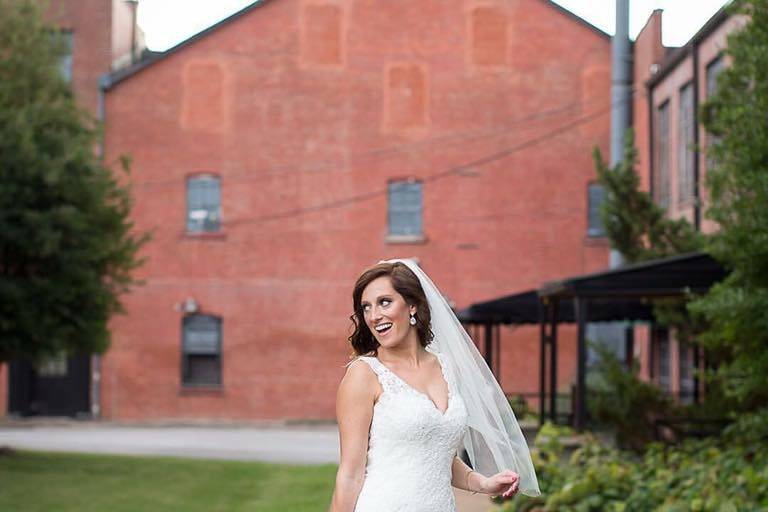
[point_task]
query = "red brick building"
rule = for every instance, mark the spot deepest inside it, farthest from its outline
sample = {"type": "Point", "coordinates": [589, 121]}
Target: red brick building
{"type": "Point", "coordinates": [285, 149]}
{"type": "Point", "coordinates": [100, 35]}
{"type": "Point", "coordinates": [671, 84]}
{"type": "Point", "coordinates": [280, 152]}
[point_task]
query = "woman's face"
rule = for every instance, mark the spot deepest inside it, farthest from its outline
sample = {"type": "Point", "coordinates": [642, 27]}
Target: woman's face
{"type": "Point", "coordinates": [385, 311]}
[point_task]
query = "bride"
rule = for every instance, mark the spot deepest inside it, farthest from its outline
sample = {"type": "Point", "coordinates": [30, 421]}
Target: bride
{"type": "Point", "coordinates": [417, 391]}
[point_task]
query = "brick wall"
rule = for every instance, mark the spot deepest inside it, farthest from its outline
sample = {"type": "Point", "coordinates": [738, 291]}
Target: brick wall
{"type": "Point", "coordinates": [299, 104]}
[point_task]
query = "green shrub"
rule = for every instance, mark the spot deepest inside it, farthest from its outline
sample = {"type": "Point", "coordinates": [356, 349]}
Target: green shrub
{"type": "Point", "coordinates": [713, 474]}
{"type": "Point", "coordinates": [619, 399]}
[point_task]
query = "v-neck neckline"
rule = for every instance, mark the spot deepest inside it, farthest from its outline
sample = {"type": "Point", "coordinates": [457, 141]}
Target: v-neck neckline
{"type": "Point", "coordinates": [425, 395]}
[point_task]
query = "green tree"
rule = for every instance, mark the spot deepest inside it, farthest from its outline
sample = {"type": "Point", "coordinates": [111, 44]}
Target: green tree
{"type": "Point", "coordinates": [636, 226]}
{"type": "Point", "coordinates": [737, 114]}
{"type": "Point", "coordinates": [66, 244]}
{"type": "Point", "coordinates": [640, 230]}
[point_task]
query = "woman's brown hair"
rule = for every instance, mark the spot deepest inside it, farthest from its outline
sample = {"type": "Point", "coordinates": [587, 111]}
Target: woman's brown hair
{"type": "Point", "coordinates": [405, 282]}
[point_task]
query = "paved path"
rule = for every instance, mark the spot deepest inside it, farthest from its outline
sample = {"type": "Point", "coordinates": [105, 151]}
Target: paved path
{"type": "Point", "coordinates": [293, 445]}
{"type": "Point", "coordinates": [284, 444]}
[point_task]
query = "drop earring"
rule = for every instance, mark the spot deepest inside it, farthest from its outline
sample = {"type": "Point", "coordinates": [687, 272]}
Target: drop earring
{"type": "Point", "coordinates": [412, 321]}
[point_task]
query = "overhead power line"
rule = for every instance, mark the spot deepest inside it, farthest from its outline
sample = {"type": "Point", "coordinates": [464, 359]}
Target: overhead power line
{"type": "Point", "coordinates": [315, 167]}
{"type": "Point", "coordinates": [450, 171]}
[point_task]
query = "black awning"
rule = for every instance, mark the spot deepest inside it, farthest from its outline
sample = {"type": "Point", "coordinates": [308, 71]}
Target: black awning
{"type": "Point", "coordinates": [520, 308]}
{"type": "Point", "coordinates": [667, 277]}
{"type": "Point", "coordinates": [619, 294]}
{"type": "Point", "coordinates": [523, 308]}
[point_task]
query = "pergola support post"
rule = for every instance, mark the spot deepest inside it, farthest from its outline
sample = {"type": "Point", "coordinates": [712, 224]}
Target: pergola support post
{"type": "Point", "coordinates": [580, 414]}
{"type": "Point", "coordinates": [543, 311]}
{"type": "Point", "coordinates": [554, 312]}
{"type": "Point", "coordinates": [488, 345]}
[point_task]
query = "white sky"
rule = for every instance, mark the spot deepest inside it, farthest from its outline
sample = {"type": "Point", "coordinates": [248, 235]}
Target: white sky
{"type": "Point", "coordinates": [168, 22]}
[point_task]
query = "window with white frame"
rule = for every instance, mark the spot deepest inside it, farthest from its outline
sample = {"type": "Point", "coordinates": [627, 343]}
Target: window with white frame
{"type": "Point", "coordinates": [203, 203]}
{"type": "Point", "coordinates": [404, 208]}
{"type": "Point", "coordinates": [201, 350]}
{"type": "Point", "coordinates": [595, 198]}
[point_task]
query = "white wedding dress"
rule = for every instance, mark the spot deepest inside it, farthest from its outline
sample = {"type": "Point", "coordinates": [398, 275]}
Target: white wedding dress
{"type": "Point", "coordinates": [411, 446]}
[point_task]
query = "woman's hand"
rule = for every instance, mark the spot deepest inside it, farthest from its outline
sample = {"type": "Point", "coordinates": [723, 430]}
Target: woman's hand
{"type": "Point", "coordinates": [504, 484]}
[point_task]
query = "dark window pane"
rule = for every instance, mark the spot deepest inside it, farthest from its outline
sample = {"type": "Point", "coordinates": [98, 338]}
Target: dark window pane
{"type": "Point", "coordinates": [596, 196]}
{"type": "Point", "coordinates": [714, 69]}
{"type": "Point", "coordinates": [203, 203]}
{"type": "Point", "coordinates": [201, 369]}
{"type": "Point", "coordinates": [405, 208]}
{"type": "Point", "coordinates": [661, 170]}
{"type": "Point", "coordinates": [201, 349]}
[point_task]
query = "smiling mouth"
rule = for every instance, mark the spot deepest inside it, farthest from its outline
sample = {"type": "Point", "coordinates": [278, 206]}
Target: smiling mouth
{"type": "Point", "coordinates": [382, 328]}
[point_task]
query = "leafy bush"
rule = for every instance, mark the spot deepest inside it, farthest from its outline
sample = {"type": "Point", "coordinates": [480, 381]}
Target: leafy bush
{"type": "Point", "coordinates": [619, 399]}
{"type": "Point", "coordinates": [729, 473]}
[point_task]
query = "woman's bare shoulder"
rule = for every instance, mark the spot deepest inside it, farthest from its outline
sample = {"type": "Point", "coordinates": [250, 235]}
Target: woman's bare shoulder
{"type": "Point", "coordinates": [359, 381]}
{"type": "Point", "coordinates": [358, 372]}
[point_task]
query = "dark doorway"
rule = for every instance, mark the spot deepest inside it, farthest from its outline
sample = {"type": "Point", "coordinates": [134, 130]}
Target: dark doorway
{"type": "Point", "coordinates": [57, 386]}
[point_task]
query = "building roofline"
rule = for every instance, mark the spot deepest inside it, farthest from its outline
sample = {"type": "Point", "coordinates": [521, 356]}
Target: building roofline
{"type": "Point", "coordinates": [650, 17]}
{"type": "Point", "coordinates": [677, 55]}
{"type": "Point", "coordinates": [112, 79]}
{"type": "Point", "coordinates": [579, 19]}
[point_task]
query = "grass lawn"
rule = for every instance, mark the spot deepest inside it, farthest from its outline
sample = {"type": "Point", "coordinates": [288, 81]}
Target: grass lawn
{"type": "Point", "coordinates": [38, 481]}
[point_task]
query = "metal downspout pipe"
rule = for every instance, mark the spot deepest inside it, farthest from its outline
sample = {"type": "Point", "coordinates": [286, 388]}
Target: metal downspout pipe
{"type": "Point", "coordinates": [621, 93]}
{"type": "Point", "coordinates": [95, 397]}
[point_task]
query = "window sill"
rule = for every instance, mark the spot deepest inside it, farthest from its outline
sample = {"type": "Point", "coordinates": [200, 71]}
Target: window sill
{"type": "Point", "coordinates": [204, 235]}
{"type": "Point", "coordinates": [405, 239]}
{"type": "Point", "coordinates": [202, 389]}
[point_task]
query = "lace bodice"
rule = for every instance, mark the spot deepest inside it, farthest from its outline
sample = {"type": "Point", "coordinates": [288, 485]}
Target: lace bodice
{"type": "Point", "coordinates": [411, 446]}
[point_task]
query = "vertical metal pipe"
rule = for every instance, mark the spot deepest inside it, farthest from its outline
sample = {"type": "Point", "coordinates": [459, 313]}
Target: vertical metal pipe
{"type": "Point", "coordinates": [621, 94]}
{"type": "Point", "coordinates": [488, 345]}
{"type": "Point", "coordinates": [553, 360]}
{"type": "Point", "coordinates": [134, 8]}
{"type": "Point", "coordinates": [497, 351]}
{"type": "Point", "coordinates": [95, 387]}
{"type": "Point", "coordinates": [621, 81]}
{"type": "Point", "coordinates": [543, 309]}
{"type": "Point", "coordinates": [629, 345]}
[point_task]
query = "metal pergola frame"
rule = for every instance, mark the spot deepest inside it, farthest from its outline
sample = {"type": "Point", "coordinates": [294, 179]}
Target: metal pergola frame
{"type": "Point", "coordinates": [624, 293]}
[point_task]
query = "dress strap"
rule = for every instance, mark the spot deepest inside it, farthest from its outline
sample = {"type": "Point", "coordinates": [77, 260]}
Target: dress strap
{"type": "Point", "coordinates": [389, 381]}
{"type": "Point", "coordinates": [448, 374]}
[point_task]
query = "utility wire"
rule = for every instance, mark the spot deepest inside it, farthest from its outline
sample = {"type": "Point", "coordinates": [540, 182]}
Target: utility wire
{"type": "Point", "coordinates": [288, 170]}
{"type": "Point", "coordinates": [450, 171]}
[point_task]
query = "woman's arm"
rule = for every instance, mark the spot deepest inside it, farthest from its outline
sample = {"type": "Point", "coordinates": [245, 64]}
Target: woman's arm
{"type": "Point", "coordinates": [463, 477]}
{"type": "Point", "coordinates": [354, 411]}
